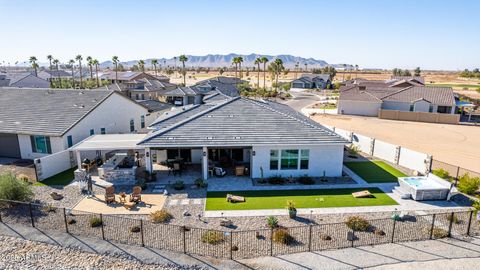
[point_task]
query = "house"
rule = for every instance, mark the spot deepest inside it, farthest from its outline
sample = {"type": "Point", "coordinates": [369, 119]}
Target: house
{"type": "Point", "coordinates": [48, 74]}
{"type": "Point", "coordinates": [141, 89]}
{"type": "Point", "coordinates": [126, 76]}
{"type": "Point", "coordinates": [362, 100]}
{"type": "Point", "coordinates": [47, 121]}
{"type": "Point", "coordinates": [155, 108]}
{"type": "Point", "coordinates": [23, 80]}
{"type": "Point", "coordinates": [312, 81]}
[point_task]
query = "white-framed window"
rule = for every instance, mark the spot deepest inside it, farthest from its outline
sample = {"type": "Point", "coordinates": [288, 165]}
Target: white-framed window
{"type": "Point", "coordinates": [142, 121]}
{"type": "Point", "coordinates": [274, 157]}
{"type": "Point", "coordinates": [304, 159]}
{"type": "Point", "coordinates": [132, 125]}
{"type": "Point", "coordinates": [41, 144]}
{"type": "Point", "coordinates": [289, 159]}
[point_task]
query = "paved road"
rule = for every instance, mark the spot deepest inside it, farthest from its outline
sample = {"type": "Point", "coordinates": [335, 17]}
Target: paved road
{"type": "Point", "coordinates": [302, 99]}
{"type": "Point", "coordinates": [432, 254]}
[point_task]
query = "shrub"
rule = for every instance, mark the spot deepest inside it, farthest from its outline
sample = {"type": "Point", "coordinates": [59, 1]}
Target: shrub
{"type": "Point", "coordinates": [200, 183]}
{"type": "Point", "coordinates": [306, 180]}
{"type": "Point", "coordinates": [272, 222]}
{"type": "Point", "coordinates": [135, 229]}
{"type": "Point", "coordinates": [467, 184]}
{"type": "Point", "coordinates": [282, 236]}
{"type": "Point", "coordinates": [71, 221]}
{"type": "Point", "coordinates": [95, 222]}
{"type": "Point", "coordinates": [357, 223]}
{"type": "Point", "coordinates": [276, 180]}
{"type": "Point", "coordinates": [325, 237]}
{"type": "Point", "coordinates": [439, 233]}
{"type": "Point", "coordinates": [12, 188]}
{"type": "Point", "coordinates": [23, 177]}
{"type": "Point", "coordinates": [442, 174]}
{"type": "Point", "coordinates": [179, 185]}
{"type": "Point", "coordinates": [213, 237]}
{"type": "Point", "coordinates": [379, 232]}
{"type": "Point", "coordinates": [161, 216]}
{"type": "Point", "coordinates": [454, 220]}
{"type": "Point", "coordinates": [353, 150]}
{"type": "Point", "coordinates": [234, 248]}
{"type": "Point", "coordinates": [49, 208]}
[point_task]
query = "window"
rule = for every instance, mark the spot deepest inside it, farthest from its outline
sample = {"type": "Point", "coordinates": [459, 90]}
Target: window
{"type": "Point", "coordinates": [289, 159]}
{"type": "Point", "coordinates": [304, 157]}
{"type": "Point", "coordinates": [430, 108]}
{"type": "Point", "coordinates": [412, 107]}
{"type": "Point", "coordinates": [92, 132]}
{"type": "Point", "coordinates": [136, 97]}
{"type": "Point", "coordinates": [132, 125]}
{"type": "Point", "coordinates": [41, 144]}
{"type": "Point", "coordinates": [143, 96]}
{"type": "Point", "coordinates": [102, 131]}
{"type": "Point", "coordinates": [69, 141]}
{"type": "Point", "coordinates": [273, 159]}
{"type": "Point", "coordinates": [142, 121]}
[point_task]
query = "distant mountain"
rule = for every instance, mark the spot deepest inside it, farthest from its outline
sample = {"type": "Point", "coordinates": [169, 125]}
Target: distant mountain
{"type": "Point", "coordinates": [220, 60]}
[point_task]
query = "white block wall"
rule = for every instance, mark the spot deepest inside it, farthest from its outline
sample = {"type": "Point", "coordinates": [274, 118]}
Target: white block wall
{"type": "Point", "coordinates": [362, 142]}
{"type": "Point", "coordinates": [358, 107]}
{"type": "Point", "coordinates": [323, 158]}
{"type": "Point", "coordinates": [385, 150]}
{"type": "Point", "coordinates": [413, 160]}
{"type": "Point", "coordinates": [53, 164]}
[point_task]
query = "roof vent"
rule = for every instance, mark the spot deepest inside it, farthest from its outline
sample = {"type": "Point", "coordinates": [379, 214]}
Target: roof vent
{"type": "Point", "coordinates": [237, 137]}
{"type": "Point", "coordinates": [170, 138]}
{"type": "Point", "coordinates": [209, 138]}
{"type": "Point", "coordinates": [81, 93]}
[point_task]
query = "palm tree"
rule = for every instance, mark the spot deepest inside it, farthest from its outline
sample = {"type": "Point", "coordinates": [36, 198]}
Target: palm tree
{"type": "Point", "coordinates": [55, 62]}
{"type": "Point", "coordinates": [95, 63]}
{"type": "Point", "coordinates": [258, 61]}
{"type": "Point", "coordinates": [141, 64]}
{"type": "Point", "coordinates": [183, 59]}
{"type": "Point", "coordinates": [90, 65]}
{"type": "Point", "coordinates": [356, 71]}
{"type": "Point", "coordinates": [33, 61]}
{"type": "Point", "coordinates": [278, 67]}
{"type": "Point", "coordinates": [264, 61]}
{"type": "Point", "coordinates": [154, 64]}
{"type": "Point", "coordinates": [72, 62]}
{"type": "Point", "coordinates": [235, 62]}
{"type": "Point", "coordinates": [344, 68]}
{"type": "Point", "coordinates": [296, 69]}
{"type": "Point", "coordinates": [115, 62]}
{"type": "Point", "coordinates": [50, 58]}
{"type": "Point", "coordinates": [306, 67]}
{"type": "Point", "coordinates": [175, 59]}
{"type": "Point", "coordinates": [79, 59]}
{"type": "Point", "coordinates": [240, 61]}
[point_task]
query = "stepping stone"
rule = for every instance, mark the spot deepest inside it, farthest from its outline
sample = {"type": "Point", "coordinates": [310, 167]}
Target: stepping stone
{"type": "Point", "coordinates": [185, 202]}
{"type": "Point", "coordinates": [197, 201]}
{"type": "Point", "coordinates": [173, 202]}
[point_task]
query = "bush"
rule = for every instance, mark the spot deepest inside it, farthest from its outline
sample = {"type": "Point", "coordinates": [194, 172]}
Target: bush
{"type": "Point", "coordinates": [306, 180]}
{"type": "Point", "coordinates": [213, 237]}
{"type": "Point", "coordinates": [282, 236]}
{"type": "Point", "coordinates": [325, 237]}
{"type": "Point", "coordinates": [272, 222]}
{"type": "Point", "coordinates": [379, 232]}
{"type": "Point", "coordinates": [135, 229]}
{"type": "Point", "coordinates": [454, 220]}
{"type": "Point", "coordinates": [276, 180]}
{"type": "Point", "coordinates": [357, 223]}
{"type": "Point", "coordinates": [71, 221]}
{"type": "Point", "coordinates": [160, 216]}
{"type": "Point", "coordinates": [23, 177]}
{"type": "Point", "coordinates": [442, 174]}
{"type": "Point", "coordinates": [200, 183]}
{"type": "Point", "coordinates": [179, 185]}
{"type": "Point", "coordinates": [95, 222]}
{"type": "Point", "coordinates": [49, 209]}
{"type": "Point", "coordinates": [353, 150]}
{"type": "Point", "coordinates": [12, 188]}
{"type": "Point", "coordinates": [439, 233]}
{"type": "Point", "coordinates": [467, 184]}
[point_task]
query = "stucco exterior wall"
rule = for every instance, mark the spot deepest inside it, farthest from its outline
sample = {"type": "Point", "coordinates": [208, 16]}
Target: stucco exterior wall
{"type": "Point", "coordinates": [358, 107]}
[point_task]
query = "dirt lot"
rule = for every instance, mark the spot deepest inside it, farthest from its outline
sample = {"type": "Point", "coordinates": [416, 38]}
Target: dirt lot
{"type": "Point", "coordinates": [454, 144]}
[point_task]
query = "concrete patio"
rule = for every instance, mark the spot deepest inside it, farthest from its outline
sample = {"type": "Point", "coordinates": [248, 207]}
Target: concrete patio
{"type": "Point", "coordinates": [96, 204]}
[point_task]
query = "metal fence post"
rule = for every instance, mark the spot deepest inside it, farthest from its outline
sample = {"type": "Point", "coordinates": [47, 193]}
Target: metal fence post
{"type": "Point", "coordinates": [65, 220]}
{"type": "Point", "coordinates": [469, 222]}
{"type": "Point", "coordinates": [393, 230]}
{"type": "Point", "coordinates": [310, 238]}
{"type": "Point", "coordinates": [31, 214]}
{"type": "Point", "coordinates": [103, 231]}
{"type": "Point", "coordinates": [451, 224]}
{"type": "Point", "coordinates": [141, 231]}
{"type": "Point", "coordinates": [184, 229]}
{"type": "Point", "coordinates": [271, 242]}
{"type": "Point", "coordinates": [457, 175]}
{"type": "Point", "coordinates": [1, 217]}
{"type": "Point", "coordinates": [231, 245]}
{"type": "Point", "coordinates": [433, 224]}
{"type": "Point", "coordinates": [353, 237]}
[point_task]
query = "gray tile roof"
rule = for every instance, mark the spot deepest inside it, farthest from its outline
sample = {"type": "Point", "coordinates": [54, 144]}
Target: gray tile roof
{"type": "Point", "coordinates": [436, 95]}
{"type": "Point", "coordinates": [243, 122]}
{"type": "Point", "coordinates": [22, 79]}
{"type": "Point", "coordinates": [356, 94]}
{"type": "Point", "coordinates": [179, 114]}
{"type": "Point", "coordinates": [183, 91]}
{"type": "Point", "coordinates": [45, 111]}
{"type": "Point", "coordinates": [155, 105]}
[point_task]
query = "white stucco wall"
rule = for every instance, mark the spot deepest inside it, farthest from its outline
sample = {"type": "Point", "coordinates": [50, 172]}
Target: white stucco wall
{"type": "Point", "coordinates": [393, 105]}
{"type": "Point", "coordinates": [56, 144]}
{"type": "Point", "coordinates": [421, 106]}
{"type": "Point", "coordinates": [328, 158]}
{"type": "Point", "coordinates": [385, 150]}
{"type": "Point", "coordinates": [358, 107]}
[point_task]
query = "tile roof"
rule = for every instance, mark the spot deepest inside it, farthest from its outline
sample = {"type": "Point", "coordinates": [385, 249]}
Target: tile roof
{"type": "Point", "coordinates": [243, 122]}
{"type": "Point", "coordinates": [356, 94]}
{"type": "Point", "coordinates": [184, 91]}
{"type": "Point", "coordinates": [45, 111]}
{"type": "Point", "coordinates": [155, 105]}
{"type": "Point", "coordinates": [436, 95]}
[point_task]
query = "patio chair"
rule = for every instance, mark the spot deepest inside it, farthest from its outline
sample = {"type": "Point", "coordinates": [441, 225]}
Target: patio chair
{"type": "Point", "coordinates": [109, 194]}
{"type": "Point", "coordinates": [220, 172]}
{"type": "Point", "coordinates": [136, 195]}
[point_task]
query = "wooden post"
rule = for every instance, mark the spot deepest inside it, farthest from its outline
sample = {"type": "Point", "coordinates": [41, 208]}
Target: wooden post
{"type": "Point", "coordinates": [65, 220]}
{"type": "Point", "coordinates": [31, 214]}
{"type": "Point", "coordinates": [141, 231]}
{"type": "Point", "coordinates": [433, 224]}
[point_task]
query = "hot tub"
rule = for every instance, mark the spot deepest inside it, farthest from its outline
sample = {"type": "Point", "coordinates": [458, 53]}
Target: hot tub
{"type": "Point", "coordinates": [422, 188]}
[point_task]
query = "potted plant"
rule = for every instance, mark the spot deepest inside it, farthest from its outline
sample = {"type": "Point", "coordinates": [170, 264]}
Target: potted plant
{"type": "Point", "coordinates": [292, 211]}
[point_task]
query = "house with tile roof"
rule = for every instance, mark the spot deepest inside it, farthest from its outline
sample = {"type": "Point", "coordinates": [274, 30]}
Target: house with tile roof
{"type": "Point", "coordinates": [22, 80]}
{"type": "Point", "coordinates": [54, 74]}
{"type": "Point", "coordinates": [47, 121]}
{"type": "Point", "coordinates": [312, 81]}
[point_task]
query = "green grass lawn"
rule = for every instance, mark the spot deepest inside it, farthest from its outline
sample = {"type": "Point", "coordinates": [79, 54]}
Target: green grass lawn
{"type": "Point", "coordinates": [62, 179]}
{"type": "Point", "coordinates": [309, 198]}
{"type": "Point", "coordinates": [375, 171]}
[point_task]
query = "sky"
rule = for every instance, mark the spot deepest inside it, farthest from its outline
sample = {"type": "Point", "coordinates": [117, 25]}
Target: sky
{"type": "Point", "coordinates": [440, 34]}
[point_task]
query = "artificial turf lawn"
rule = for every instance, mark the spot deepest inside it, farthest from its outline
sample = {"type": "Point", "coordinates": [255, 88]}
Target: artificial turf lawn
{"type": "Point", "coordinates": [308, 198]}
{"type": "Point", "coordinates": [375, 171]}
{"type": "Point", "coordinates": [62, 179]}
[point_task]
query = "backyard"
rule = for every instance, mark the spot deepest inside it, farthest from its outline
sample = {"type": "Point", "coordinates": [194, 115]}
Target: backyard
{"type": "Point", "coordinates": [375, 171]}
{"type": "Point", "coordinates": [310, 198]}
{"type": "Point", "coordinates": [62, 179]}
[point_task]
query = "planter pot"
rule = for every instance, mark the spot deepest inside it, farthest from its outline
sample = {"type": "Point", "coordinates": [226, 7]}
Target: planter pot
{"type": "Point", "coordinates": [292, 213]}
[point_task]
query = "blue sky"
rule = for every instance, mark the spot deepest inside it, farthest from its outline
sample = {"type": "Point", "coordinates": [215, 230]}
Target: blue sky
{"type": "Point", "coordinates": [386, 34]}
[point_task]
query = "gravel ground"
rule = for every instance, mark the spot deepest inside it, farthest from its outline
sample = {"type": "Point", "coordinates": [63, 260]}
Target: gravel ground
{"type": "Point", "coordinates": [16, 253]}
{"type": "Point", "coordinates": [71, 195]}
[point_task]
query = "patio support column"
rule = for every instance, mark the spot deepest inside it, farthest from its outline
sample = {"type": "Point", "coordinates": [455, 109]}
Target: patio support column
{"type": "Point", "coordinates": [148, 160]}
{"type": "Point", "coordinates": [205, 163]}
{"type": "Point", "coordinates": [79, 159]}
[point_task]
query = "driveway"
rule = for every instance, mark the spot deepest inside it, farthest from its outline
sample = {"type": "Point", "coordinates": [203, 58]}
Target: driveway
{"type": "Point", "coordinates": [301, 100]}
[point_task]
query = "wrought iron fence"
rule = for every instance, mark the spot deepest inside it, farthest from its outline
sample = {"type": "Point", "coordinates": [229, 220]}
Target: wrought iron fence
{"type": "Point", "coordinates": [454, 171]}
{"type": "Point", "coordinates": [239, 244]}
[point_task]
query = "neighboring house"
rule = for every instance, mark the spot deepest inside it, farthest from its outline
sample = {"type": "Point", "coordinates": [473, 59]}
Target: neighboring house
{"type": "Point", "coordinates": [22, 80]}
{"type": "Point", "coordinates": [141, 89]}
{"type": "Point", "coordinates": [363, 100]}
{"type": "Point", "coordinates": [126, 76]}
{"type": "Point", "coordinates": [48, 75]}
{"type": "Point", "coordinates": [418, 79]}
{"type": "Point", "coordinates": [39, 122]}
{"type": "Point", "coordinates": [155, 109]}
{"type": "Point", "coordinates": [182, 96]}
{"type": "Point", "coordinates": [267, 137]}
{"type": "Point", "coordinates": [312, 81]}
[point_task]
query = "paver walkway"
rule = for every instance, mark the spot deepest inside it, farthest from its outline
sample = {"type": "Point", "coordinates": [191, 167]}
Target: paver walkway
{"type": "Point", "coordinates": [174, 202]}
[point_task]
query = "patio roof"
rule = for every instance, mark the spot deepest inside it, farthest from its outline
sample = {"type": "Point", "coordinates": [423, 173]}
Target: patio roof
{"type": "Point", "coordinates": [110, 142]}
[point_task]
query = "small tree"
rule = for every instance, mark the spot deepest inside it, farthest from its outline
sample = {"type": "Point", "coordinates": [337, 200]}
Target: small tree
{"type": "Point", "coordinates": [12, 188]}
{"type": "Point", "coordinates": [468, 184]}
